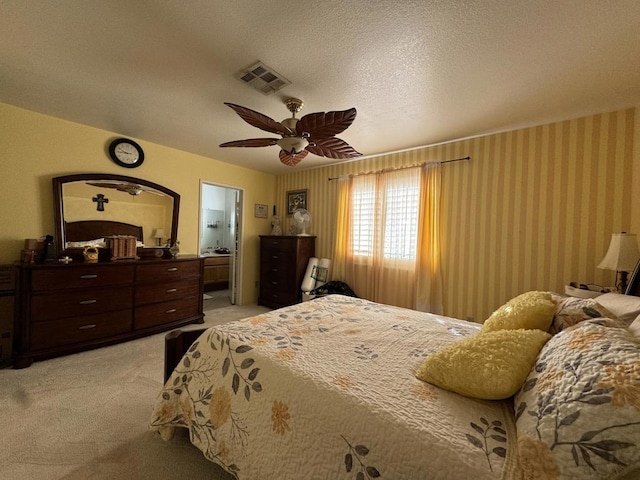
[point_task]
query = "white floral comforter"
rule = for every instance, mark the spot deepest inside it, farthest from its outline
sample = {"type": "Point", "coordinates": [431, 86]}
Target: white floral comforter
{"type": "Point", "coordinates": [326, 390]}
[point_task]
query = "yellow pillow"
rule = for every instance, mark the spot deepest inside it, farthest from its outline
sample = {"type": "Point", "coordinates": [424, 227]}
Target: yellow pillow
{"type": "Point", "coordinates": [532, 310]}
{"type": "Point", "coordinates": [491, 365]}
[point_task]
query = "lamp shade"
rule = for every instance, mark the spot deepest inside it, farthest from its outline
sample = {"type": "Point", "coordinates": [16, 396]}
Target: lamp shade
{"type": "Point", "coordinates": [623, 253]}
{"type": "Point", "coordinates": [159, 233]}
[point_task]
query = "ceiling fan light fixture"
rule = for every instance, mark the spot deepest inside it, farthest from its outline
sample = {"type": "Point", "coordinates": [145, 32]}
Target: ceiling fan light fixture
{"type": "Point", "coordinates": [293, 145]}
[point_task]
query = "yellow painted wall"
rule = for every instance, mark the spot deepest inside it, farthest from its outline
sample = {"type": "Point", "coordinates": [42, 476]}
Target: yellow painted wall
{"type": "Point", "coordinates": [533, 209]}
{"type": "Point", "coordinates": [37, 147]}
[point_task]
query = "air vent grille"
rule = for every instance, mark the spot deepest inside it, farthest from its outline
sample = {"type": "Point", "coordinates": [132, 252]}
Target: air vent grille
{"type": "Point", "coordinates": [263, 78]}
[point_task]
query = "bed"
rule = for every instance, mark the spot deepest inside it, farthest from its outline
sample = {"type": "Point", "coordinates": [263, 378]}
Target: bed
{"type": "Point", "coordinates": [328, 389]}
{"type": "Point", "coordinates": [81, 233]}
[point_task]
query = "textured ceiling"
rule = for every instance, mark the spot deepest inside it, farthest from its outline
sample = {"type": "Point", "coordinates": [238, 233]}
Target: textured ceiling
{"type": "Point", "coordinates": [418, 72]}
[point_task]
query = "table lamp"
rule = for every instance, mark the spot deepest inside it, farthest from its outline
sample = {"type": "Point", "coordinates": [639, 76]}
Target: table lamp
{"type": "Point", "coordinates": [158, 234]}
{"type": "Point", "coordinates": [622, 256]}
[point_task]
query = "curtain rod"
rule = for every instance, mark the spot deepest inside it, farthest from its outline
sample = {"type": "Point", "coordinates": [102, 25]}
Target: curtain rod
{"type": "Point", "coordinates": [402, 168]}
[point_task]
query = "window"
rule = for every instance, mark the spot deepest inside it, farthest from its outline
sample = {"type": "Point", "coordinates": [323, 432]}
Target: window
{"type": "Point", "coordinates": [385, 216]}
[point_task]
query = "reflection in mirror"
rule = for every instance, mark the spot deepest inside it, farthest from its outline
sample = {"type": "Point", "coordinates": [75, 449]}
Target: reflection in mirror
{"type": "Point", "coordinates": [213, 228]}
{"type": "Point", "coordinates": [90, 207]}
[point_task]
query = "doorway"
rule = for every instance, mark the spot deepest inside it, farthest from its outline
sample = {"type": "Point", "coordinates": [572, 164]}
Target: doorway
{"type": "Point", "coordinates": [220, 243]}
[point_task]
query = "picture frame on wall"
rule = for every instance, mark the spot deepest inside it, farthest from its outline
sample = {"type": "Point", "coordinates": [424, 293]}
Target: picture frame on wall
{"type": "Point", "coordinates": [261, 210]}
{"type": "Point", "coordinates": [296, 199]}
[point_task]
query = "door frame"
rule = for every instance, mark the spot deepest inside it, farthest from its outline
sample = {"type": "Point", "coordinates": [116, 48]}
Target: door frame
{"type": "Point", "coordinates": [235, 259]}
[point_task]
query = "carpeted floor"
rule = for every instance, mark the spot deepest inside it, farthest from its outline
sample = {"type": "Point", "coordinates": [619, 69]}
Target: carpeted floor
{"type": "Point", "coordinates": [85, 416]}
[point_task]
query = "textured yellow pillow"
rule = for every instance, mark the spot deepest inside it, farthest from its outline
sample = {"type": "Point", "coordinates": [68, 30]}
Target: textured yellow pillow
{"type": "Point", "coordinates": [491, 365]}
{"type": "Point", "coordinates": [532, 310]}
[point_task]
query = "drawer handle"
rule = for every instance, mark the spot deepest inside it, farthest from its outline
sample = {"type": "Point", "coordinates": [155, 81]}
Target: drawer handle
{"type": "Point", "coordinates": [88, 276]}
{"type": "Point", "coordinates": [274, 283]}
{"type": "Point", "coordinates": [274, 269]}
{"type": "Point", "coordinates": [87, 302]}
{"type": "Point", "coordinates": [87, 327]}
{"type": "Point", "coordinates": [172, 290]}
{"type": "Point", "coordinates": [274, 256]}
{"type": "Point", "coordinates": [173, 310]}
{"type": "Point", "coordinates": [172, 269]}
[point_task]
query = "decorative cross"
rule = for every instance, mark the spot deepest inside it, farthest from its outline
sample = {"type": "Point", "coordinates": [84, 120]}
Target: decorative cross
{"type": "Point", "coordinates": [100, 200]}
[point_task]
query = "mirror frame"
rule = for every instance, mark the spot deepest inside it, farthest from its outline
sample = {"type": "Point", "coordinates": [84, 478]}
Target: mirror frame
{"type": "Point", "coordinates": [58, 208]}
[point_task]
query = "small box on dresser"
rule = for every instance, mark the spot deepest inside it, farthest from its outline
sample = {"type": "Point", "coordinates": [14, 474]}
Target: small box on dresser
{"type": "Point", "coordinates": [283, 263]}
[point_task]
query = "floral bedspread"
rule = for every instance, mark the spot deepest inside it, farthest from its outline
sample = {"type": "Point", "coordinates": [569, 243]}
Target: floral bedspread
{"type": "Point", "coordinates": [578, 413]}
{"type": "Point", "coordinates": [326, 389]}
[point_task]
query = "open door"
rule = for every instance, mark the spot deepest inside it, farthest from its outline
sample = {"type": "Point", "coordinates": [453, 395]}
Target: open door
{"type": "Point", "coordinates": [220, 231]}
{"type": "Point", "coordinates": [235, 252]}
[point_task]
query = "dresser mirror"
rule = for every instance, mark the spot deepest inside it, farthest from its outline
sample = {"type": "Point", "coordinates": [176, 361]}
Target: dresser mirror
{"type": "Point", "coordinates": [89, 207]}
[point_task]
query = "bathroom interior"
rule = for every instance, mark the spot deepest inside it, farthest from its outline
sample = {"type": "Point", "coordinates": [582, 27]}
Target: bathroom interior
{"type": "Point", "coordinates": [218, 222]}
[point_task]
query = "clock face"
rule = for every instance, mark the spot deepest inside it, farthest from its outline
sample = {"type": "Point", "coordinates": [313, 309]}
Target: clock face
{"type": "Point", "coordinates": [126, 153]}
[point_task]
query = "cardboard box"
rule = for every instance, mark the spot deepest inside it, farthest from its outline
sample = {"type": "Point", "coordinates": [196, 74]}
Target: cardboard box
{"type": "Point", "coordinates": [33, 244]}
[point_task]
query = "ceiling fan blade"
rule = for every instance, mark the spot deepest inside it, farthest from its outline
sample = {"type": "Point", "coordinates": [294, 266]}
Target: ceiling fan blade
{"type": "Point", "coordinates": [292, 160]}
{"type": "Point", "coordinates": [325, 125]}
{"type": "Point", "coordinates": [103, 184]}
{"type": "Point", "coordinates": [251, 142]}
{"type": "Point", "coordinates": [259, 120]}
{"type": "Point", "coordinates": [332, 148]}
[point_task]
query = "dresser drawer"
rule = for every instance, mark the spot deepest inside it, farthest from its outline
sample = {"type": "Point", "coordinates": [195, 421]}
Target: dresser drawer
{"type": "Point", "coordinates": [276, 279]}
{"type": "Point", "coordinates": [75, 330]}
{"type": "Point", "coordinates": [162, 272]}
{"type": "Point", "coordinates": [282, 245]}
{"type": "Point", "coordinates": [154, 293]}
{"type": "Point", "coordinates": [278, 297]}
{"type": "Point", "coordinates": [166, 312]}
{"type": "Point", "coordinates": [81, 302]}
{"type": "Point", "coordinates": [79, 277]}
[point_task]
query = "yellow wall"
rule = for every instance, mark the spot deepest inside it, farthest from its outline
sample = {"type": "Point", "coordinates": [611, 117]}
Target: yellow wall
{"type": "Point", "coordinates": [37, 147]}
{"type": "Point", "coordinates": [533, 209]}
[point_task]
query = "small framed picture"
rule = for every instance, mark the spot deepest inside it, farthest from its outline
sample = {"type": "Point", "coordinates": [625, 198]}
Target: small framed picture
{"type": "Point", "coordinates": [296, 199]}
{"type": "Point", "coordinates": [261, 210]}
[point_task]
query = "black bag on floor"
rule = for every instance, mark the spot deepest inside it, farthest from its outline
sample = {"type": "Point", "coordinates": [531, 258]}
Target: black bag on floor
{"type": "Point", "coordinates": [334, 286]}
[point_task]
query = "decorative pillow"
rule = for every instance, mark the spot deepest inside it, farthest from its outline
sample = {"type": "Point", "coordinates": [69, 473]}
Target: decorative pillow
{"type": "Point", "coordinates": [625, 307]}
{"type": "Point", "coordinates": [531, 310]}
{"type": "Point", "coordinates": [491, 365]}
{"type": "Point", "coordinates": [573, 310]}
{"type": "Point", "coordinates": [578, 413]}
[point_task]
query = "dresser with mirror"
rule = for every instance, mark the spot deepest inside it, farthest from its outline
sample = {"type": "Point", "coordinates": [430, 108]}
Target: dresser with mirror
{"type": "Point", "coordinates": [68, 304]}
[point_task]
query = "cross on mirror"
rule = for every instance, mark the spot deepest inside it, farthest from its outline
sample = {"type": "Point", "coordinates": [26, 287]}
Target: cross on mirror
{"type": "Point", "coordinates": [100, 200]}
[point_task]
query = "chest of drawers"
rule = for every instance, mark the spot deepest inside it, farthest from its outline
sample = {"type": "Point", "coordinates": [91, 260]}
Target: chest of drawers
{"type": "Point", "coordinates": [283, 263]}
{"type": "Point", "coordinates": [62, 309]}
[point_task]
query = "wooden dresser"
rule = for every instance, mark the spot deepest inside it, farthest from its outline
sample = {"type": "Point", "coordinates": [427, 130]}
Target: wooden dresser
{"type": "Point", "coordinates": [283, 263]}
{"type": "Point", "coordinates": [61, 309]}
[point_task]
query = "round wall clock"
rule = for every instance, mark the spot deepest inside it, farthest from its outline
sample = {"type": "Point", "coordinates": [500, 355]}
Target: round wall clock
{"type": "Point", "coordinates": [126, 153]}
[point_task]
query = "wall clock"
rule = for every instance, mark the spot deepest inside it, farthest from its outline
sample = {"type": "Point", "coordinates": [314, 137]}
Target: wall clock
{"type": "Point", "coordinates": [126, 153]}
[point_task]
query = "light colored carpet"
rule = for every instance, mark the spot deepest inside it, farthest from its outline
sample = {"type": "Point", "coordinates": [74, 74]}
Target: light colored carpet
{"type": "Point", "coordinates": [85, 416]}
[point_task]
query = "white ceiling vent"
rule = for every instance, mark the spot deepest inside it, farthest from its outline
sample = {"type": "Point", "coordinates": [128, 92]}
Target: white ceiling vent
{"type": "Point", "coordinates": [263, 78]}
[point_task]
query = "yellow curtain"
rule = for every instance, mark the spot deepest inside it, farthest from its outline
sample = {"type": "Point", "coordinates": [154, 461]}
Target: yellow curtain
{"type": "Point", "coordinates": [394, 280]}
{"type": "Point", "coordinates": [429, 278]}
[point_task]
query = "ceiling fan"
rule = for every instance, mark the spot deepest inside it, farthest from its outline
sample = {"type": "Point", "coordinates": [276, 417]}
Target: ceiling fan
{"type": "Point", "coordinates": [313, 133]}
{"type": "Point", "coordinates": [130, 188]}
